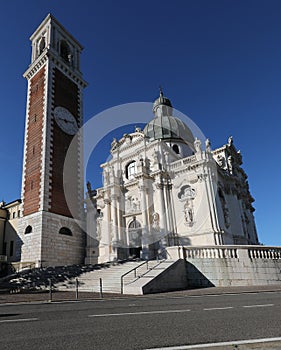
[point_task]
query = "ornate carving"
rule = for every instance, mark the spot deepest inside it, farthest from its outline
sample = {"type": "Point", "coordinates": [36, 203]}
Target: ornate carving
{"type": "Point", "coordinates": [186, 193]}
{"type": "Point", "coordinates": [156, 221]}
{"type": "Point", "coordinates": [132, 204]}
{"type": "Point", "coordinates": [159, 186]}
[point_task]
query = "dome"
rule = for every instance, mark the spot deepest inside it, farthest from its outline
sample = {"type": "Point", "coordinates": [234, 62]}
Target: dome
{"type": "Point", "coordinates": [164, 125]}
{"type": "Point", "coordinates": [168, 127]}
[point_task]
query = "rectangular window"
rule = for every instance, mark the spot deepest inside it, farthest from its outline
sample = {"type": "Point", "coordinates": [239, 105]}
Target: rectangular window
{"type": "Point", "coordinates": [11, 248]}
{"type": "Point", "coordinates": [18, 213]}
{"type": "Point", "coordinates": [14, 214]}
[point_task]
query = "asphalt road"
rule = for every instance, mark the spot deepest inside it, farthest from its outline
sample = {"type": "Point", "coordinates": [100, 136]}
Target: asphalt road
{"type": "Point", "coordinates": [140, 323]}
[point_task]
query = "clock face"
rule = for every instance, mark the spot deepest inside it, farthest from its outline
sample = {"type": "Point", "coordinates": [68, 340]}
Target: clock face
{"type": "Point", "coordinates": [65, 120]}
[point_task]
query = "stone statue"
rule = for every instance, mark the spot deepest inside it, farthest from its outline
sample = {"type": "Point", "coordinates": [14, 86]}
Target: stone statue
{"type": "Point", "coordinates": [188, 214]}
{"type": "Point", "coordinates": [114, 143]}
{"type": "Point", "coordinates": [208, 145]}
{"type": "Point", "coordinates": [155, 157]}
{"type": "Point", "coordinates": [197, 145]}
{"type": "Point", "coordinates": [155, 221]}
{"type": "Point", "coordinates": [230, 162]}
{"type": "Point", "coordinates": [221, 161]}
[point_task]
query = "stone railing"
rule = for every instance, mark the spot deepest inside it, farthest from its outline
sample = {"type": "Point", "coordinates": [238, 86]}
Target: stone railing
{"type": "Point", "coordinates": [225, 252]}
{"type": "Point", "coordinates": [264, 252]}
{"type": "Point", "coordinates": [210, 252]}
{"type": "Point", "coordinates": [182, 162]}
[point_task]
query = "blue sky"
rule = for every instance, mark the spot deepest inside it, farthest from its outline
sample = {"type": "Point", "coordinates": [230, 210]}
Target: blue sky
{"type": "Point", "coordinates": [219, 61]}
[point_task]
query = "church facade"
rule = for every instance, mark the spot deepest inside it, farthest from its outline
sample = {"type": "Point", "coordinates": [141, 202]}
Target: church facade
{"type": "Point", "coordinates": [163, 188]}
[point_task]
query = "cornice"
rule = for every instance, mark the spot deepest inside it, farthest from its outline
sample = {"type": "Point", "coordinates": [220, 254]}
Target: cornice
{"type": "Point", "coordinates": [35, 66]}
{"type": "Point", "coordinates": [49, 55]}
{"type": "Point", "coordinates": [50, 18]}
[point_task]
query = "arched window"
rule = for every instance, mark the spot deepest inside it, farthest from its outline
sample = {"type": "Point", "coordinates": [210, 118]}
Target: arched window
{"type": "Point", "coordinates": [176, 149]}
{"type": "Point", "coordinates": [42, 45]}
{"type": "Point", "coordinates": [135, 233]}
{"type": "Point", "coordinates": [131, 170]}
{"type": "Point", "coordinates": [134, 224]}
{"type": "Point", "coordinates": [65, 231]}
{"type": "Point", "coordinates": [64, 50]}
{"type": "Point", "coordinates": [28, 230]}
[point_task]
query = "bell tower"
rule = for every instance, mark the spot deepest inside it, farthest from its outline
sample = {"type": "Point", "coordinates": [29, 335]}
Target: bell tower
{"type": "Point", "coordinates": [49, 233]}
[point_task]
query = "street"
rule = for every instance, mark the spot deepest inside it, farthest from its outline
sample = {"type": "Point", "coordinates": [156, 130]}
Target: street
{"type": "Point", "coordinates": [141, 323]}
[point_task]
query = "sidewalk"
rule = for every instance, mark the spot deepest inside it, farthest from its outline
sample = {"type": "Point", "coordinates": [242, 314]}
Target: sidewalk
{"type": "Point", "coordinates": [70, 296]}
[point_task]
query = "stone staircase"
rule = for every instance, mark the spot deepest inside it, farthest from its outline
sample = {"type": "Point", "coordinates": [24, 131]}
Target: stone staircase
{"type": "Point", "coordinates": [110, 277]}
{"type": "Point", "coordinates": [139, 277]}
{"type": "Point", "coordinates": [148, 279]}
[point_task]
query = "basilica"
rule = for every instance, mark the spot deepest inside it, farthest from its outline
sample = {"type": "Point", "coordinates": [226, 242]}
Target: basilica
{"type": "Point", "coordinates": [162, 187]}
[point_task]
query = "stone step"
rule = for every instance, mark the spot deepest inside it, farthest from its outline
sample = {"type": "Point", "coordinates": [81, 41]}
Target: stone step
{"type": "Point", "coordinates": [110, 276]}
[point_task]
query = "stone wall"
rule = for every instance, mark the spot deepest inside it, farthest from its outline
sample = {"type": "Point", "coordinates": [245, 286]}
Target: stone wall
{"type": "Point", "coordinates": [230, 265]}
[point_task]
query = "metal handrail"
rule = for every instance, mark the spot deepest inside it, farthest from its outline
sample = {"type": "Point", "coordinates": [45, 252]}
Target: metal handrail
{"type": "Point", "coordinates": [135, 270]}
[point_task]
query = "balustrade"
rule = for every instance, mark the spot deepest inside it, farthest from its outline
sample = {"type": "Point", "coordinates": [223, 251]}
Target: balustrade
{"type": "Point", "coordinates": [232, 252]}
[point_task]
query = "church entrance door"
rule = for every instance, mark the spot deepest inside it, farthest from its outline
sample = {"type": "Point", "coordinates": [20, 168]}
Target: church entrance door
{"type": "Point", "coordinates": [135, 234]}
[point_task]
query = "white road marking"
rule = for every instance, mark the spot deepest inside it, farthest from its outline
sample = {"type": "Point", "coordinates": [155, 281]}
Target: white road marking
{"type": "Point", "coordinates": [219, 308]}
{"type": "Point", "coordinates": [20, 320]}
{"type": "Point", "coordinates": [222, 344]}
{"type": "Point", "coordinates": [263, 305]}
{"type": "Point", "coordinates": [140, 313]}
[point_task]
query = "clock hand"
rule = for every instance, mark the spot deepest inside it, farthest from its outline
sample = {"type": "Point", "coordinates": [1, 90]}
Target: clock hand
{"type": "Point", "coordinates": [65, 120]}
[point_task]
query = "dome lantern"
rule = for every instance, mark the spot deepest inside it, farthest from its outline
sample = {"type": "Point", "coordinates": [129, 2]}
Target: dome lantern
{"type": "Point", "coordinates": [162, 105]}
{"type": "Point", "coordinates": [164, 126]}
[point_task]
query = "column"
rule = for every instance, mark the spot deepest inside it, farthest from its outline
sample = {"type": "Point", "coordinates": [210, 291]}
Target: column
{"type": "Point", "coordinates": [169, 215]}
{"type": "Point", "coordinates": [108, 225]}
{"type": "Point", "coordinates": [145, 248]}
{"type": "Point", "coordinates": [114, 219]}
{"type": "Point", "coordinates": [163, 223]}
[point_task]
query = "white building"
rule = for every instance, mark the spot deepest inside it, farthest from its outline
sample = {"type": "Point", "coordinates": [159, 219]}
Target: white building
{"type": "Point", "coordinates": [162, 189]}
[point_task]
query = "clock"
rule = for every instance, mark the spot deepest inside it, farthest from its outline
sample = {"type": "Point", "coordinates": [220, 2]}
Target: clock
{"type": "Point", "coordinates": [65, 120]}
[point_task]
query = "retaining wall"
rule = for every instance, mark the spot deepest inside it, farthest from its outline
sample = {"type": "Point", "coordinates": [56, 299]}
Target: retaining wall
{"type": "Point", "coordinates": [230, 265]}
